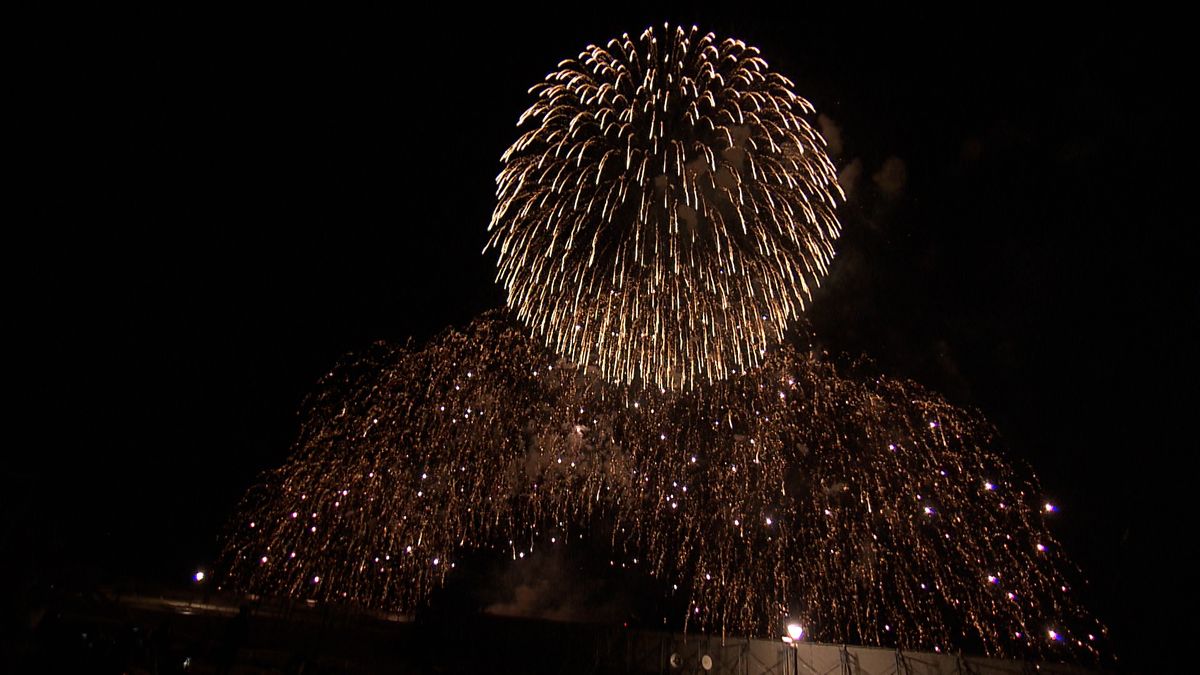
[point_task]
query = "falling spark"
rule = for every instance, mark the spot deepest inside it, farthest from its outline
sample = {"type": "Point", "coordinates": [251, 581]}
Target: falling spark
{"type": "Point", "coordinates": [842, 462]}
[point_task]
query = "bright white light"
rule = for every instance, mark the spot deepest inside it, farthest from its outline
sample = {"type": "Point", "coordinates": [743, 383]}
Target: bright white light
{"type": "Point", "coordinates": [1053, 635]}
{"type": "Point", "coordinates": [199, 576]}
{"type": "Point", "coordinates": [795, 631]}
{"type": "Point", "coordinates": [1050, 508]}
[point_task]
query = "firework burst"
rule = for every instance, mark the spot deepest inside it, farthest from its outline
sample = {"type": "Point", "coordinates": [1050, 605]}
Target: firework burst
{"type": "Point", "coordinates": [873, 509]}
{"type": "Point", "coordinates": [668, 211]}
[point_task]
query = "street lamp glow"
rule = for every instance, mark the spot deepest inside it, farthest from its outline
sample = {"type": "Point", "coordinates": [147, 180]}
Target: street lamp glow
{"type": "Point", "coordinates": [199, 576]}
{"type": "Point", "coordinates": [795, 631]}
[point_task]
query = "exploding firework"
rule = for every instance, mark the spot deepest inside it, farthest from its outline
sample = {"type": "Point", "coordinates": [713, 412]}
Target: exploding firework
{"type": "Point", "coordinates": [873, 509]}
{"type": "Point", "coordinates": [668, 211]}
{"type": "Point", "coordinates": [666, 215]}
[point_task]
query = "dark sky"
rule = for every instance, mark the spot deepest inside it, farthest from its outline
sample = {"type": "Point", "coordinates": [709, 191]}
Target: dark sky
{"type": "Point", "coordinates": [222, 205]}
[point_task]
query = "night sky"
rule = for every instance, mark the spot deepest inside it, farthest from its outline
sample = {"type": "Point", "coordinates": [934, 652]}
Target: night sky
{"type": "Point", "coordinates": [223, 205]}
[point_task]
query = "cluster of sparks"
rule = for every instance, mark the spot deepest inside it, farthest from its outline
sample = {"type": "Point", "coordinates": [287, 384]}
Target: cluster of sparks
{"type": "Point", "coordinates": [668, 211]}
{"type": "Point", "coordinates": [878, 507]}
{"type": "Point", "coordinates": [667, 215]}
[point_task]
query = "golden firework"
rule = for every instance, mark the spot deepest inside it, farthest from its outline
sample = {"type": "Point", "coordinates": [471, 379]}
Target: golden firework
{"type": "Point", "coordinates": [668, 211]}
{"type": "Point", "coordinates": [875, 510]}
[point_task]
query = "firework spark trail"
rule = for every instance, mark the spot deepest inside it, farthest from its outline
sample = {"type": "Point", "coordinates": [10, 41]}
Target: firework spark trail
{"type": "Point", "coordinates": [668, 212]}
{"type": "Point", "coordinates": [877, 506]}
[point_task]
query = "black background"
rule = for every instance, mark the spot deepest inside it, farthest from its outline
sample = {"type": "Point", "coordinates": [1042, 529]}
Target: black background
{"type": "Point", "coordinates": [216, 207]}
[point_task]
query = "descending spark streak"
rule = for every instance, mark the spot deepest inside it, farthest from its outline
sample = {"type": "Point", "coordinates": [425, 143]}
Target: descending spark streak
{"type": "Point", "coordinates": [880, 507]}
{"type": "Point", "coordinates": [668, 212]}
